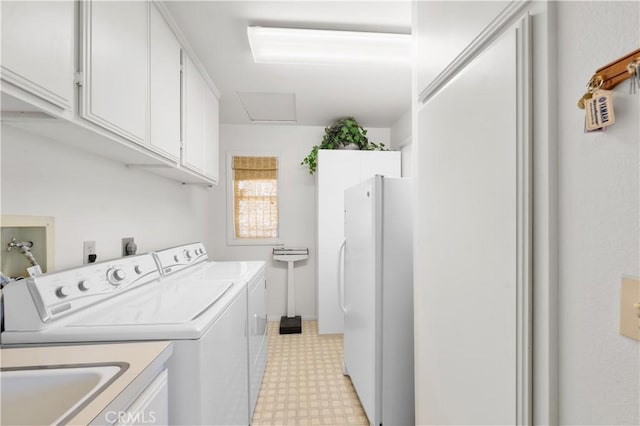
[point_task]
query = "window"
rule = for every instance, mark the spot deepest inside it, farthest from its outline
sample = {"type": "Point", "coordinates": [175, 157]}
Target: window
{"type": "Point", "coordinates": [253, 206]}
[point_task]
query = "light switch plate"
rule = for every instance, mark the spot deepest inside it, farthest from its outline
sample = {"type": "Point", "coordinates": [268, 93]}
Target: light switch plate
{"type": "Point", "coordinates": [630, 308]}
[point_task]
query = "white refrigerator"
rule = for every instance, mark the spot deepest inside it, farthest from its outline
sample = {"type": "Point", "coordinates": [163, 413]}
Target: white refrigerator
{"type": "Point", "coordinates": [376, 297]}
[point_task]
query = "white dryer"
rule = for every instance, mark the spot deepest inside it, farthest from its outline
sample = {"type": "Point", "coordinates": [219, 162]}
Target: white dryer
{"type": "Point", "coordinates": [125, 300]}
{"type": "Point", "coordinates": [252, 273]}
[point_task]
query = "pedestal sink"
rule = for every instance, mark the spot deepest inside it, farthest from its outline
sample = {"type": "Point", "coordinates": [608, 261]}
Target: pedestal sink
{"type": "Point", "coordinates": [49, 395]}
{"type": "Point", "coordinates": [291, 323]}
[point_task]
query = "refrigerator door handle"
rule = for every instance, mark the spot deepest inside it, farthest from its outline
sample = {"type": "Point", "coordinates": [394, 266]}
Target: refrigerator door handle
{"type": "Point", "coordinates": [340, 281]}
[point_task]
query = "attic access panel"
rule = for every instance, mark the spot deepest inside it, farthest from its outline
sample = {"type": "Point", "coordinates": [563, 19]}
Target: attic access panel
{"type": "Point", "coordinates": [269, 107]}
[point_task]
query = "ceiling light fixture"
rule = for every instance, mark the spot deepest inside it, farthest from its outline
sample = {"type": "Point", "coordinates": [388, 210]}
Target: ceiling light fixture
{"type": "Point", "coordinates": [304, 46]}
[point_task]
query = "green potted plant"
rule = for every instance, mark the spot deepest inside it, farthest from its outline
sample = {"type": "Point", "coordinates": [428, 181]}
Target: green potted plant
{"type": "Point", "coordinates": [345, 133]}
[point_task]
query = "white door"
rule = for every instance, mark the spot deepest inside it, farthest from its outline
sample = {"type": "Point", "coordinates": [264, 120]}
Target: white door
{"type": "Point", "coordinates": [470, 249]}
{"type": "Point", "coordinates": [164, 89]}
{"type": "Point", "coordinates": [114, 92]}
{"type": "Point", "coordinates": [361, 287]}
{"type": "Point", "coordinates": [38, 48]}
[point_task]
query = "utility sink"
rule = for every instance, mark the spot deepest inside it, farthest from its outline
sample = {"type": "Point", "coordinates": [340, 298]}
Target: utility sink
{"type": "Point", "coordinates": [45, 395]}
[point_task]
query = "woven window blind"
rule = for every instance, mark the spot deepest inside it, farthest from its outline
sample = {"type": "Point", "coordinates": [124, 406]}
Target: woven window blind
{"type": "Point", "coordinates": [255, 197]}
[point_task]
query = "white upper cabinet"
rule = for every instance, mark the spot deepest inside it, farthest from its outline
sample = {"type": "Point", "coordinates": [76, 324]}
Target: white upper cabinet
{"type": "Point", "coordinates": [38, 49]}
{"type": "Point", "coordinates": [115, 66]}
{"type": "Point", "coordinates": [164, 76]}
{"type": "Point", "coordinates": [194, 99]}
{"type": "Point", "coordinates": [211, 162]}
{"type": "Point", "coordinates": [128, 90]}
{"type": "Point", "coordinates": [200, 120]}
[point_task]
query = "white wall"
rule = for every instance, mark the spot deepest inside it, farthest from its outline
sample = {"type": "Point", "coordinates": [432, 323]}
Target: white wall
{"type": "Point", "coordinates": [599, 219]}
{"type": "Point", "coordinates": [400, 131]}
{"type": "Point", "coordinates": [401, 140]}
{"type": "Point", "coordinates": [92, 198]}
{"type": "Point", "coordinates": [296, 192]}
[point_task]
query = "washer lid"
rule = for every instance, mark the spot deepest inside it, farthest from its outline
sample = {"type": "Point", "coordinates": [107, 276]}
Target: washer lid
{"type": "Point", "coordinates": [171, 302]}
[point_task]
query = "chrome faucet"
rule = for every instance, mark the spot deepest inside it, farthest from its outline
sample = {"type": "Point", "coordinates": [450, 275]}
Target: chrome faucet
{"type": "Point", "coordinates": [25, 247]}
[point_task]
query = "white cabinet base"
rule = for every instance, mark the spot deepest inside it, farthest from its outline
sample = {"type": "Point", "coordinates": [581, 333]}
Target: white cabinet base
{"type": "Point", "coordinates": [151, 407]}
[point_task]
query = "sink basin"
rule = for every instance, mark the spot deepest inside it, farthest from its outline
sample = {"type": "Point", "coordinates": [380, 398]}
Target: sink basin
{"type": "Point", "coordinates": [51, 394]}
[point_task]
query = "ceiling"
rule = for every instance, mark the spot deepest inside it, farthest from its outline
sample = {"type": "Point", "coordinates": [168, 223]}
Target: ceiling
{"type": "Point", "coordinates": [376, 95]}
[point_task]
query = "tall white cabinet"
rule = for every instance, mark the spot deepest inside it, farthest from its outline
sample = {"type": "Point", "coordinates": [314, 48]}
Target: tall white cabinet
{"type": "Point", "coordinates": [337, 171]}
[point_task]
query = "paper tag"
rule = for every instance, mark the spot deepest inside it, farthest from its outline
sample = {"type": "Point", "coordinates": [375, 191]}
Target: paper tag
{"type": "Point", "coordinates": [599, 110]}
{"type": "Point", "coordinates": [34, 271]}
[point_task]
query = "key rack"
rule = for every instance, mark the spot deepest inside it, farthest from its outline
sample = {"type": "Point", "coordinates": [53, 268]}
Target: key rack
{"type": "Point", "coordinates": [612, 74]}
{"type": "Point", "coordinates": [617, 71]}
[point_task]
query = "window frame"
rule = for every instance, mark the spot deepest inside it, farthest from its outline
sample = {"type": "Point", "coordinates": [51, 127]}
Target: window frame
{"type": "Point", "coordinates": [231, 237]}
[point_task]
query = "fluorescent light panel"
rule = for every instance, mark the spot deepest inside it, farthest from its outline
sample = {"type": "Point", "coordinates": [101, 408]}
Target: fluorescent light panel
{"type": "Point", "coordinates": [303, 46]}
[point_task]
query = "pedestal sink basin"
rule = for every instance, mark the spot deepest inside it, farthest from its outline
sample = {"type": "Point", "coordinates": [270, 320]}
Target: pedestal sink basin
{"type": "Point", "coordinates": [52, 394]}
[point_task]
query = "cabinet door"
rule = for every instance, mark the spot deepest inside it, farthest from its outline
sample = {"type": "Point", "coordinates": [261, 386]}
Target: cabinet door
{"type": "Point", "coordinates": [164, 75]}
{"type": "Point", "coordinates": [211, 165]}
{"type": "Point", "coordinates": [336, 172]}
{"type": "Point", "coordinates": [193, 155]}
{"type": "Point", "coordinates": [151, 407]}
{"type": "Point", "coordinates": [38, 48]}
{"type": "Point", "coordinates": [115, 53]}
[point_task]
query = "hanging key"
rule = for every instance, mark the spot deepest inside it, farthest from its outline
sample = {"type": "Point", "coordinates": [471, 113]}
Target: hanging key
{"type": "Point", "coordinates": [583, 100]}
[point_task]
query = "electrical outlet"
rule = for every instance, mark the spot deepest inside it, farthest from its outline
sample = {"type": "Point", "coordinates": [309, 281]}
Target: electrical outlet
{"type": "Point", "coordinates": [127, 241]}
{"type": "Point", "coordinates": [89, 248]}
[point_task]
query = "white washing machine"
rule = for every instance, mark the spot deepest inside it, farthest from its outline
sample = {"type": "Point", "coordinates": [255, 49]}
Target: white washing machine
{"type": "Point", "coordinates": [127, 300]}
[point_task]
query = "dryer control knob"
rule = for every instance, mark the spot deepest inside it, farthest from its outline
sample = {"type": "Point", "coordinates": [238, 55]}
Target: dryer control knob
{"type": "Point", "coordinates": [187, 254]}
{"type": "Point", "coordinates": [116, 276]}
{"type": "Point", "coordinates": [84, 285]}
{"type": "Point", "coordinates": [62, 291]}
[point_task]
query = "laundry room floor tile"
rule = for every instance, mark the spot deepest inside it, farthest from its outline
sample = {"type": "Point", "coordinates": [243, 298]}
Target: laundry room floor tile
{"type": "Point", "coordinates": [303, 383]}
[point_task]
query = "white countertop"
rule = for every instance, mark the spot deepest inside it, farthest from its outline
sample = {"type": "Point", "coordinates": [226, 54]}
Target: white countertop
{"type": "Point", "coordinates": [139, 357]}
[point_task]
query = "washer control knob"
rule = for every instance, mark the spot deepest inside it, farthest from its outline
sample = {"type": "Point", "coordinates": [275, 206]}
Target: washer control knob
{"type": "Point", "coordinates": [84, 285]}
{"type": "Point", "coordinates": [62, 291]}
{"type": "Point", "coordinates": [137, 269]}
{"type": "Point", "coordinates": [116, 276]}
{"type": "Point", "coordinates": [187, 254]}
{"type": "Point", "coordinates": [176, 258]}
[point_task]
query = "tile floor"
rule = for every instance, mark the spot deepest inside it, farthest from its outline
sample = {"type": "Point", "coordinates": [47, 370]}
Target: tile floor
{"type": "Point", "coordinates": [303, 382]}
